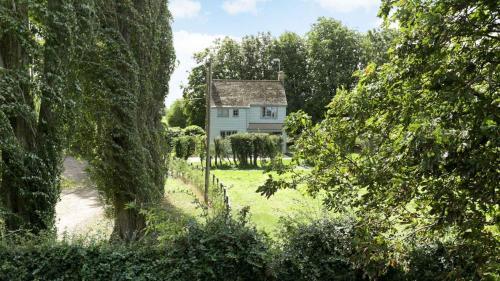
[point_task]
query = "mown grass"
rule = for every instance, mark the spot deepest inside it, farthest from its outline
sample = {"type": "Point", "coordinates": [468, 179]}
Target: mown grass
{"type": "Point", "coordinates": [264, 212]}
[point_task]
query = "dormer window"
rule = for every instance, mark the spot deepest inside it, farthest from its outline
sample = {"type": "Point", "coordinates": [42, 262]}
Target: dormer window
{"type": "Point", "coordinates": [269, 112]}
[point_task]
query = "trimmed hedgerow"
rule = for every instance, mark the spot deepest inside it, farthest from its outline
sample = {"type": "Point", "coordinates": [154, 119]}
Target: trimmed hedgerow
{"type": "Point", "coordinates": [248, 147]}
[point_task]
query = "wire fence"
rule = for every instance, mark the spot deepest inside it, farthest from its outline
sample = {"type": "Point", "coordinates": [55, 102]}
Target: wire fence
{"type": "Point", "coordinates": [195, 175]}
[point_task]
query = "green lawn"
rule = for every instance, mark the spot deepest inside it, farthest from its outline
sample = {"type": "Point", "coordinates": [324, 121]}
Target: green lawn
{"type": "Point", "coordinates": [265, 213]}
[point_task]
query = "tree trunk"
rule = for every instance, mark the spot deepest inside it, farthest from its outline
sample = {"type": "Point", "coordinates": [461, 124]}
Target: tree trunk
{"type": "Point", "coordinates": [129, 223]}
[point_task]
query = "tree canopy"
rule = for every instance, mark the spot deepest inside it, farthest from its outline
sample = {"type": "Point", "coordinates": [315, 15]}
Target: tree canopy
{"type": "Point", "coordinates": [416, 142]}
{"type": "Point", "coordinates": [315, 66]}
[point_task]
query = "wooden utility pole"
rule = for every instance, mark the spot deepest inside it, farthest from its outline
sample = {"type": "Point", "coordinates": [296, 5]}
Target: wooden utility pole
{"type": "Point", "coordinates": [207, 130]}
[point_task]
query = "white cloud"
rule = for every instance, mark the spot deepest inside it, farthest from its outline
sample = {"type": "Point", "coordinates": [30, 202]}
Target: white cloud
{"type": "Point", "coordinates": [185, 8]}
{"type": "Point", "coordinates": [346, 6]}
{"type": "Point", "coordinates": [234, 7]}
{"type": "Point", "coordinates": [186, 44]}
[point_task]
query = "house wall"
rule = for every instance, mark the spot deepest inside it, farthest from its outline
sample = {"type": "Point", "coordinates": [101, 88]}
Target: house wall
{"type": "Point", "coordinates": [240, 123]}
{"type": "Point", "coordinates": [218, 124]}
{"type": "Point", "coordinates": [255, 115]}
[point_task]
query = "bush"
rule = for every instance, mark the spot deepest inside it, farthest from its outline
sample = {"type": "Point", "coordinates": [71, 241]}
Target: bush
{"type": "Point", "coordinates": [454, 261]}
{"type": "Point", "coordinates": [248, 147]}
{"type": "Point", "coordinates": [193, 130]}
{"type": "Point", "coordinates": [185, 146]}
{"type": "Point", "coordinates": [220, 250]}
{"type": "Point", "coordinates": [222, 150]}
{"type": "Point", "coordinates": [242, 148]}
{"type": "Point", "coordinates": [332, 249]}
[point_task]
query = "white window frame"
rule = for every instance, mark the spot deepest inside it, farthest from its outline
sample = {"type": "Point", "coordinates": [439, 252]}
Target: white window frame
{"type": "Point", "coordinates": [227, 133]}
{"type": "Point", "coordinates": [269, 112]}
{"type": "Point", "coordinates": [237, 111]}
{"type": "Point", "coordinates": [223, 112]}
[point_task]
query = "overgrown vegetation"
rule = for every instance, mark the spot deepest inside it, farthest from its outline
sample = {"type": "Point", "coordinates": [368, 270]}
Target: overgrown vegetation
{"type": "Point", "coordinates": [247, 148]}
{"type": "Point", "coordinates": [35, 78]}
{"type": "Point", "coordinates": [95, 71]}
{"type": "Point", "coordinates": [416, 142]}
{"type": "Point", "coordinates": [222, 249]}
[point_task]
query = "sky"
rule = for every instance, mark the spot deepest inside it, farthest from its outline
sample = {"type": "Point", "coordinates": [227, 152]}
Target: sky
{"type": "Point", "coordinates": [197, 23]}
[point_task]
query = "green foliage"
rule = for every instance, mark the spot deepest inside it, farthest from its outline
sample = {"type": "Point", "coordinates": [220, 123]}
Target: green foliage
{"type": "Point", "coordinates": [222, 250]}
{"type": "Point", "coordinates": [122, 74]}
{"type": "Point", "coordinates": [416, 142]}
{"type": "Point", "coordinates": [376, 44]}
{"type": "Point", "coordinates": [248, 147]}
{"type": "Point", "coordinates": [334, 249]}
{"type": "Point", "coordinates": [459, 260]}
{"type": "Point", "coordinates": [296, 123]}
{"type": "Point", "coordinates": [222, 150]}
{"type": "Point", "coordinates": [36, 53]}
{"type": "Point", "coordinates": [218, 250]}
{"type": "Point", "coordinates": [175, 114]}
{"type": "Point", "coordinates": [188, 142]}
{"type": "Point", "coordinates": [334, 54]}
{"type": "Point", "coordinates": [194, 130]}
{"type": "Point", "coordinates": [185, 146]}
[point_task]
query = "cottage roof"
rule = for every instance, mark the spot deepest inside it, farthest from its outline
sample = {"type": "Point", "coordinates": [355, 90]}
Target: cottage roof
{"type": "Point", "coordinates": [243, 93]}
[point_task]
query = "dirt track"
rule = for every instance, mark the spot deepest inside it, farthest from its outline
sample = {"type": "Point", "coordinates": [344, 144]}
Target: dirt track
{"type": "Point", "coordinates": [79, 211]}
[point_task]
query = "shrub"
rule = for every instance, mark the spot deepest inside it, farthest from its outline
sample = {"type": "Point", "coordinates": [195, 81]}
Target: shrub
{"type": "Point", "coordinates": [171, 135]}
{"type": "Point", "coordinates": [248, 147]}
{"type": "Point", "coordinates": [193, 130]}
{"type": "Point", "coordinates": [222, 250]}
{"type": "Point", "coordinates": [460, 260]}
{"type": "Point", "coordinates": [185, 146]}
{"type": "Point", "coordinates": [242, 147]}
{"type": "Point", "coordinates": [332, 249]}
{"type": "Point", "coordinates": [222, 149]}
{"type": "Point", "coordinates": [219, 250]}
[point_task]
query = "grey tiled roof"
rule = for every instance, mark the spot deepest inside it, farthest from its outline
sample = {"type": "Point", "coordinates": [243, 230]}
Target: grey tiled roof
{"type": "Point", "coordinates": [243, 93]}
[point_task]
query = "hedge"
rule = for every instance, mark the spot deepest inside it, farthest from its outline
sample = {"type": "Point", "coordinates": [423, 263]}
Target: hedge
{"type": "Point", "coordinates": [219, 250]}
{"type": "Point", "coordinates": [227, 249]}
{"type": "Point", "coordinates": [246, 148]}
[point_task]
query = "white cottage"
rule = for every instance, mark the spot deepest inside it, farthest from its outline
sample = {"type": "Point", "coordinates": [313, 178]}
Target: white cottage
{"type": "Point", "coordinates": [257, 106]}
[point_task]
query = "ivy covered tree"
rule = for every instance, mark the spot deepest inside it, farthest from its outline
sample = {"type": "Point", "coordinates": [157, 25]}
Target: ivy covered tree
{"type": "Point", "coordinates": [416, 143]}
{"type": "Point", "coordinates": [33, 101]}
{"type": "Point", "coordinates": [124, 82]}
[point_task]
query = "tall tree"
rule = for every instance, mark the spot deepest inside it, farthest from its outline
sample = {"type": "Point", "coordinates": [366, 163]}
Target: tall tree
{"type": "Point", "coordinates": [376, 44]}
{"type": "Point", "coordinates": [334, 54]}
{"type": "Point", "coordinates": [175, 114]}
{"type": "Point", "coordinates": [128, 69]}
{"type": "Point", "coordinates": [32, 109]}
{"type": "Point", "coordinates": [290, 48]}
